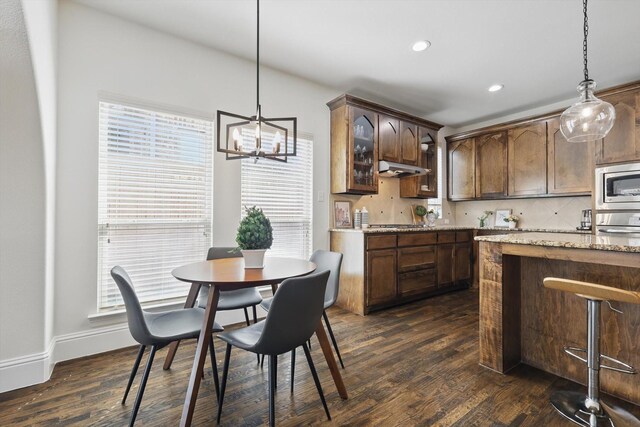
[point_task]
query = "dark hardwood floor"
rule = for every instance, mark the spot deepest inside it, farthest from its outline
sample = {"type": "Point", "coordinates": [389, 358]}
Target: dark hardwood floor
{"type": "Point", "coordinates": [410, 365]}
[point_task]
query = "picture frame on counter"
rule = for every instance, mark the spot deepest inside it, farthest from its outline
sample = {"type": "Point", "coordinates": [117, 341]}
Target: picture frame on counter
{"type": "Point", "coordinates": [500, 215]}
{"type": "Point", "coordinates": [342, 214]}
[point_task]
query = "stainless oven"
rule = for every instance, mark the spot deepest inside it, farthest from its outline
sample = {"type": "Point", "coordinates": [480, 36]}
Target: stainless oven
{"type": "Point", "coordinates": [618, 187]}
{"type": "Point", "coordinates": [626, 224]}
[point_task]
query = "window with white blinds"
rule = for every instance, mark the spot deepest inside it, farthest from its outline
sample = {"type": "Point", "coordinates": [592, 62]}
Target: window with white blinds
{"type": "Point", "coordinates": [154, 199]}
{"type": "Point", "coordinates": [284, 192]}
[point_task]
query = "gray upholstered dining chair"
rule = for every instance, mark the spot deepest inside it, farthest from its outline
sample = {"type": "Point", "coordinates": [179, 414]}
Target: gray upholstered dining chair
{"type": "Point", "coordinates": [324, 260]}
{"type": "Point", "coordinates": [231, 300]}
{"type": "Point", "coordinates": [294, 315]}
{"type": "Point", "coordinates": [157, 330]}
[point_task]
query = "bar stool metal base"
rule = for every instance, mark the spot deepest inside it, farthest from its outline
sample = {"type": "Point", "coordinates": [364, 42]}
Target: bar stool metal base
{"type": "Point", "coordinates": [571, 405]}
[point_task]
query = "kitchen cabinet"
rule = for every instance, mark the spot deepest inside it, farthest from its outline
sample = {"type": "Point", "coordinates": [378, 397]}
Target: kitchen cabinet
{"type": "Point", "coordinates": [527, 160]}
{"type": "Point", "coordinates": [491, 165]}
{"type": "Point", "coordinates": [461, 156]}
{"type": "Point", "coordinates": [389, 139]}
{"type": "Point", "coordinates": [446, 265]}
{"type": "Point", "coordinates": [363, 132]}
{"type": "Point", "coordinates": [408, 143]}
{"type": "Point", "coordinates": [354, 157]}
{"type": "Point", "coordinates": [384, 269]}
{"type": "Point", "coordinates": [622, 144]}
{"type": "Point", "coordinates": [570, 165]}
{"type": "Point", "coordinates": [381, 276]}
{"type": "Point", "coordinates": [423, 186]}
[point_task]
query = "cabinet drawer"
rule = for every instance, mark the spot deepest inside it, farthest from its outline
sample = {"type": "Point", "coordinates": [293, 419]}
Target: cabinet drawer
{"type": "Point", "coordinates": [417, 282]}
{"type": "Point", "coordinates": [463, 236]}
{"type": "Point", "coordinates": [417, 258]}
{"type": "Point", "coordinates": [381, 242]}
{"type": "Point", "coordinates": [446, 237]}
{"type": "Point", "coordinates": [417, 239]}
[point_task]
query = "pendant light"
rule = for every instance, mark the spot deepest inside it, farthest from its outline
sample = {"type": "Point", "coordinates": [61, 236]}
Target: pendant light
{"type": "Point", "coordinates": [590, 118]}
{"type": "Point", "coordinates": [256, 136]}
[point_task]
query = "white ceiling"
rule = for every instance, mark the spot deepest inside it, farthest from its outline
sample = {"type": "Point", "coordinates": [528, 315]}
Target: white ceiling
{"type": "Point", "coordinates": [533, 47]}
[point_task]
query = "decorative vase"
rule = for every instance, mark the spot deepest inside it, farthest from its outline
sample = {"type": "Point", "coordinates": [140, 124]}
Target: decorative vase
{"type": "Point", "coordinates": [431, 219]}
{"type": "Point", "coordinates": [512, 224]}
{"type": "Point", "coordinates": [253, 258]}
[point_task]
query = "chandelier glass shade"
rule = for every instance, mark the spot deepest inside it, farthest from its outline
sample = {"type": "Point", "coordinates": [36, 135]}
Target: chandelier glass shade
{"type": "Point", "coordinates": [590, 118]}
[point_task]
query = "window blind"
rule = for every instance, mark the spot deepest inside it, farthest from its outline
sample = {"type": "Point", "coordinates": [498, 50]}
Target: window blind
{"type": "Point", "coordinates": [284, 192]}
{"type": "Point", "coordinates": [154, 199]}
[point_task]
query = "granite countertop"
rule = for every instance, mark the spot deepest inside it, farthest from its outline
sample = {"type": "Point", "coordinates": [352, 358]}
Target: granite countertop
{"type": "Point", "coordinates": [455, 227]}
{"type": "Point", "coordinates": [572, 241]}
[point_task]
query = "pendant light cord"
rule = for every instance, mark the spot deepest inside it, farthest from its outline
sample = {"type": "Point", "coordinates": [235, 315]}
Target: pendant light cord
{"type": "Point", "coordinates": [584, 42]}
{"type": "Point", "coordinates": [258, 59]}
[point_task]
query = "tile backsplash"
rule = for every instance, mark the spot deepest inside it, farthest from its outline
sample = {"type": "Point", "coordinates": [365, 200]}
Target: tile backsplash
{"type": "Point", "coordinates": [387, 207]}
{"type": "Point", "coordinates": [557, 212]}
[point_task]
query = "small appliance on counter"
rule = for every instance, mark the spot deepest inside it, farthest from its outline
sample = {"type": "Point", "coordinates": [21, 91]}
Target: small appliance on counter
{"type": "Point", "coordinates": [585, 222]}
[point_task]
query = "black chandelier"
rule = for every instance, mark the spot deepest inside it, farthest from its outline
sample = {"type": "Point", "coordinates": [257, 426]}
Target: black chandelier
{"type": "Point", "coordinates": [256, 136]}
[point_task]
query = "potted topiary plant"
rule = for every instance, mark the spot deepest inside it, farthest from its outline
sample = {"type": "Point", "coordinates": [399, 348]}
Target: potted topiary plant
{"type": "Point", "coordinates": [420, 212]}
{"type": "Point", "coordinates": [254, 237]}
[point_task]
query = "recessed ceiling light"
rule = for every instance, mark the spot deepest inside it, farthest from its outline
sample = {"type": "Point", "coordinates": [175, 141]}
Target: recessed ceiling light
{"type": "Point", "coordinates": [495, 88]}
{"type": "Point", "coordinates": [421, 45]}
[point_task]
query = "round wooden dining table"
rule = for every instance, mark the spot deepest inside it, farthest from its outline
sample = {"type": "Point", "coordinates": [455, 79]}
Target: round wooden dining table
{"type": "Point", "coordinates": [228, 274]}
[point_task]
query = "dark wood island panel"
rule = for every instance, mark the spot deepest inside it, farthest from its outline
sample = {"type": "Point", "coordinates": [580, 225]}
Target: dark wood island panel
{"type": "Point", "coordinates": [523, 322]}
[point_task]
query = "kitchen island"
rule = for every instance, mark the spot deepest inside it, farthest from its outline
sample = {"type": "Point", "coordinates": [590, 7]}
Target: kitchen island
{"type": "Point", "coordinates": [523, 322]}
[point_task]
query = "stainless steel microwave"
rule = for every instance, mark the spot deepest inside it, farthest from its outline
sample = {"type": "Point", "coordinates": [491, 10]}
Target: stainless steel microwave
{"type": "Point", "coordinates": [618, 187]}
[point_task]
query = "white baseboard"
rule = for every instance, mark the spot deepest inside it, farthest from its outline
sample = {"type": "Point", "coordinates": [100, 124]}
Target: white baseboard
{"type": "Point", "coordinates": [26, 370]}
{"type": "Point", "coordinates": [36, 368]}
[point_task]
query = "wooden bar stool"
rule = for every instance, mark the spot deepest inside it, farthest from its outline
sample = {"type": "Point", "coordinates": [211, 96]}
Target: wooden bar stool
{"type": "Point", "coordinates": [589, 410]}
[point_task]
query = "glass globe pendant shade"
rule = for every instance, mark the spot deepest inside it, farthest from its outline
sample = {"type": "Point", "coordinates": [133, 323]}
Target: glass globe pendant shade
{"type": "Point", "coordinates": [589, 119]}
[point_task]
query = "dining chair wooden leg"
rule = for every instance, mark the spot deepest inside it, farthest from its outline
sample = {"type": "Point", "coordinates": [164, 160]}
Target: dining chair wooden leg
{"type": "Point", "coordinates": [325, 346]}
{"type": "Point", "coordinates": [262, 361]}
{"type": "Point", "coordinates": [223, 386]}
{"type": "Point", "coordinates": [214, 366]}
{"type": "Point", "coordinates": [273, 361]}
{"type": "Point", "coordinates": [200, 357]}
{"type": "Point", "coordinates": [255, 314]}
{"type": "Point", "coordinates": [333, 338]}
{"type": "Point", "coordinates": [293, 367]}
{"type": "Point", "coordinates": [246, 316]}
{"type": "Point", "coordinates": [143, 384]}
{"type": "Point", "coordinates": [315, 379]}
{"type": "Point", "coordinates": [134, 371]}
{"type": "Point", "coordinates": [189, 303]}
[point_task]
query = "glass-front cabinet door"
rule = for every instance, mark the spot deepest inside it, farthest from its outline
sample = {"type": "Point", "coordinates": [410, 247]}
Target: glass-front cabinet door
{"type": "Point", "coordinates": [363, 150]}
{"type": "Point", "coordinates": [428, 184]}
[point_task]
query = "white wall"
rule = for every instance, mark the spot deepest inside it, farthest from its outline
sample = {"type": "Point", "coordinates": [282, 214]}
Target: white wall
{"type": "Point", "coordinates": [22, 205]}
{"type": "Point", "coordinates": [99, 53]}
{"type": "Point", "coordinates": [41, 18]}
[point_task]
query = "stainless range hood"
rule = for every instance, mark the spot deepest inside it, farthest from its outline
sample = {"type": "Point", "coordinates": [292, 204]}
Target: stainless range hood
{"type": "Point", "coordinates": [397, 170]}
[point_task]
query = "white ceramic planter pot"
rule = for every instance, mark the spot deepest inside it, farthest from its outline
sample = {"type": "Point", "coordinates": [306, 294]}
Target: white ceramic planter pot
{"type": "Point", "coordinates": [513, 224]}
{"type": "Point", "coordinates": [253, 258]}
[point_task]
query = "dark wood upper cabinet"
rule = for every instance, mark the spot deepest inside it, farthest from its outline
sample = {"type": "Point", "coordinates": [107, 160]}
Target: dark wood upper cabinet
{"type": "Point", "coordinates": [622, 144]}
{"type": "Point", "coordinates": [389, 138]}
{"type": "Point", "coordinates": [381, 276]}
{"type": "Point", "coordinates": [408, 143]}
{"type": "Point", "coordinates": [527, 159]}
{"type": "Point", "coordinates": [461, 155]}
{"type": "Point", "coordinates": [491, 165]}
{"type": "Point", "coordinates": [354, 145]}
{"type": "Point", "coordinates": [423, 186]}
{"type": "Point", "coordinates": [570, 164]}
